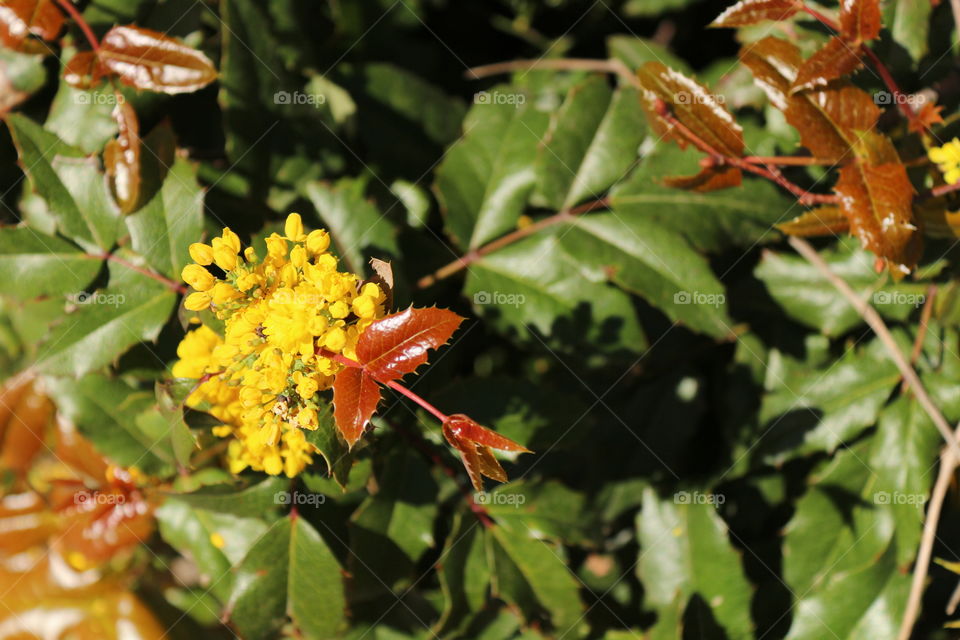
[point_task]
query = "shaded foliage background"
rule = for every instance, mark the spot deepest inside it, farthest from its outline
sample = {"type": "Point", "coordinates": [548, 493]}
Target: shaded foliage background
{"type": "Point", "coordinates": [712, 422]}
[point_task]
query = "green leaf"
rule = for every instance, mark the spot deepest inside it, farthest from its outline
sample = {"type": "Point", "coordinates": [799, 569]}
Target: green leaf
{"type": "Point", "coordinates": [486, 177]}
{"type": "Point", "coordinates": [910, 26]}
{"type": "Point", "coordinates": [533, 575]}
{"type": "Point", "coordinates": [72, 185]}
{"type": "Point", "coordinates": [290, 571]}
{"type": "Point", "coordinates": [358, 228]}
{"type": "Point", "coordinates": [164, 228]}
{"type": "Point", "coordinates": [816, 409]}
{"type": "Point", "coordinates": [463, 572]}
{"type": "Point", "coordinates": [591, 143]}
{"type": "Point", "coordinates": [254, 500]}
{"type": "Point", "coordinates": [21, 74]}
{"type": "Point", "coordinates": [685, 549]}
{"type": "Point", "coordinates": [93, 108]}
{"type": "Point", "coordinates": [105, 411]}
{"type": "Point", "coordinates": [183, 442]}
{"type": "Point", "coordinates": [548, 509]}
{"type": "Point", "coordinates": [653, 262]}
{"type": "Point", "coordinates": [807, 297]}
{"type": "Point", "coordinates": [33, 264]}
{"type": "Point", "coordinates": [536, 286]}
{"type": "Point", "coordinates": [333, 448]}
{"type": "Point", "coordinates": [736, 217]}
{"type": "Point", "coordinates": [635, 52]}
{"type": "Point", "coordinates": [132, 309]}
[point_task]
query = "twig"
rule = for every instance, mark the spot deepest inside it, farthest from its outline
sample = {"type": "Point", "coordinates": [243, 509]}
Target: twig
{"type": "Point", "coordinates": [788, 161]}
{"type": "Point", "coordinates": [873, 319]}
{"type": "Point", "coordinates": [84, 27]}
{"type": "Point", "coordinates": [612, 66]}
{"type": "Point", "coordinates": [472, 256]}
{"type": "Point", "coordinates": [922, 331]}
{"type": "Point", "coordinates": [153, 275]}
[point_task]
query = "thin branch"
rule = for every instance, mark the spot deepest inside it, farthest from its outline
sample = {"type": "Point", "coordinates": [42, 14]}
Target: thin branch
{"type": "Point", "coordinates": [173, 285]}
{"type": "Point", "coordinates": [873, 319]}
{"type": "Point", "coordinates": [84, 27]}
{"type": "Point", "coordinates": [470, 257]}
{"type": "Point", "coordinates": [612, 66]}
{"type": "Point", "coordinates": [788, 161]}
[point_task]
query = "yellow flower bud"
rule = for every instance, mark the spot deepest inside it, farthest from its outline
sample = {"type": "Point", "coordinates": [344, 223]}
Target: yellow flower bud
{"type": "Point", "coordinates": [198, 277]}
{"type": "Point", "coordinates": [307, 418]}
{"type": "Point", "coordinates": [276, 246]}
{"type": "Point", "coordinates": [272, 464]}
{"type": "Point", "coordinates": [339, 309]}
{"type": "Point", "coordinates": [335, 339]}
{"type": "Point", "coordinates": [223, 293]}
{"type": "Point", "coordinates": [201, 253]}
{"type": "Point", "coordinates": [197, 301]}
{"type": "Point", "coordinates": [225, 257]}
{"type": "Point", "coordinates": [364, 307]}
{"type": "Point", "coordinates": [298, 256]}
{"type": "Point", "coordinates": [318, 241]}
{"type": "Point", "coordinates": [293, 228]}
{"type": "Point", "coordinates": [231, 240]}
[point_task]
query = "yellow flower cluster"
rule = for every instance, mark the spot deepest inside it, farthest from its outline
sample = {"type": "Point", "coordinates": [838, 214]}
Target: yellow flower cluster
{"type": "Point", "coordinates": [947, 159]}
{"type": "Point", "coordinates": [262, 378]}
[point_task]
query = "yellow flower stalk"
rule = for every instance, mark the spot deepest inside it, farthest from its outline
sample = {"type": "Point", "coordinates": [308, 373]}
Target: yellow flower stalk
{"type": "Point", "coordinates": [263, 377]}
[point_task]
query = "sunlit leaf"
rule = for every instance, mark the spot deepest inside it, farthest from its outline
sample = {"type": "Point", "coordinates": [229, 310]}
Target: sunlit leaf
{"type": "Point", "coordinates": [151, 60]}
{"type": "Point", "coordinates": [834, 60]}
{"type": "Point", "coordinates": [355, 398]}
{"type": "Point", "coordinates": [747, 12]}
{"type": "Point", "coordinates": [82, 71]}
{"type": "Point", "coordinates": [34, 264]}
{"type": "Point", "coordinates": [21, 18]}
{"type": "Point", "coordinates": [821, 221]}
{"type": "Point", "coordinates": [860, 20]}
{"type": "Point", "coordinates": [396, 345]}
{"type": "Point", "coordinates": [121, 157]}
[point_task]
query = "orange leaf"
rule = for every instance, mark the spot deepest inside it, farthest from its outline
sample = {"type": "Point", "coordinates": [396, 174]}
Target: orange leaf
{"type": "Point", "coordinates": [821, 221]}
{"type": "Point", "coordinates": [860, 20]}
{"type": "Point", "coordinates": [710, 179]}
{"type": "Point", "coordinates": [397, 344]}
{"type": "Point", "coordinates": [830, 120]}
{"type": "Point", "coordinates": [148, 59]}
{"type": "Point", "coordinates": [355, 398]}
{"type": "Point", "coordinates": [19, 18]}
{"type": "Point", "coordinates": [928, 116]}
{"type": "Point", "coordinates": [465, 428]}
{"type": "Point", "coordinates": [83, 71]}
{"type": "Point", "coordinates": [692, 104]}
{"type": "Point", "coordinates": [474, 442]}
{"type": "Point", "coordinates": [747, 12]}
{"type": "Point", "coordinates": [835, 60]}
{"type": "Point", "coordinates": [121, 157]}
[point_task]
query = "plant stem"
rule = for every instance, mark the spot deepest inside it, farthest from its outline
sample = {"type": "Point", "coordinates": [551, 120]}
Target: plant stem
{"type": "Point", "coordinates": [84, 27]}
{"type": "Point", "coordinates": [153, 275]}
{"type": "Point", "coordinates": [788, 161]}
{"type": "Point", "coordinates": [472, 256]}
{"type": "Point", "coordinates": [612, 66]}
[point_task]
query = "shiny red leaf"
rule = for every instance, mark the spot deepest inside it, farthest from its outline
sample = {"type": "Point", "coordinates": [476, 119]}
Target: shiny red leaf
{"type": "Point", "coordinates": [397, 344]}
{"type": "Point", "coordinates": [466, 429]}
{"type": "Point", "coordinates": [821, 221]}
{"type": "Point", "coordinates": [121, 157]}
{"type": "Point", "coordinates": [83, 71]}
{"type": "Point", "coordinates": [710, 179]}
{"type": "Point", "coordinates": [860, 20]}
{"type": "Point", "coordinates": [20, 18]}
{"type": "Point", "coordinates": [747, 12]}
{"type": "Point", "coordinates": [355, 398]}
{"type": "Point", "coordinates": [150, 60]}
{"type": "Point", "coordinates": [835, 60]}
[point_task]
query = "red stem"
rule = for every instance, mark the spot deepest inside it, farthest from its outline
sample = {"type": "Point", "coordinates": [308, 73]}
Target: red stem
{"type": "Point", "coordinates": [84, 27]}
{"type": "Point", "coordinates": [153, 275]}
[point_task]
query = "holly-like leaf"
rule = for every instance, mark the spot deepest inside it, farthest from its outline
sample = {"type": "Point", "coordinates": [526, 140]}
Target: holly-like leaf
{"type": "Point", "coordinates": [747, 12]}
{"type": "Point", "coordinates": [121, 157]}
{"type": "Point", "coordinates": [396, 345]}
{"type": "Point", "coordinates": [876, 199]}
{"type": "Point", "coordinates": [21, 18]}
{"type": "Point", "coordinates": [83, 70]}
{"type": "Point", "coordinates": [355, 398]}
{"type": "Point", "coordinates": [836, 59]}
{"type": "Point", "coordinates": [474, 442]}
{"type": "Point", "coordinates": [692, 104]}
{"type": "Point", "coordinates": [33, 264]}
{"type": "Point", "coordinates": [860, 20]}
{"type": "Point", "coordinates": [147, 59]}
{"type": "Point", "coordinates": [821, 221]}
{"type": "Point", "coordinates": [830, 120]}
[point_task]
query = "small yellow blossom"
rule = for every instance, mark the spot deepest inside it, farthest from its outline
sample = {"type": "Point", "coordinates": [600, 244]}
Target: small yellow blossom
{"type": "Point", "coordinates": [947, 159]}
{"type": "Point", "coordinates": [262, 376]}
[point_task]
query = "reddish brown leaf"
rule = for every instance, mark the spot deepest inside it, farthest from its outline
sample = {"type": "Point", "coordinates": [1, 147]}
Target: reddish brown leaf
{"type": "Point", "coordinates": [19, 18]}
{"type": "Point", "coordinates": [692, 104]}
{"type": "Point", "coordinates": [83, 71]}
{"type": "Point", "coordinates": [860, 20]}
{"type": "Point", "coordinates": [710, 179]}
{"type": "Point", "coordinates": [835, 60]}
{"type": "Point", "coordinates": [466, 429]}
{"type": "Point", "coordinates": [355, 398]}
{"type": "Point", "coordinates": [821, 221]}
{"type": "Point", "coordinates": [747, 12]}
{"type": "Point", "coordinates": [830, 120]}
{"type": "Point", "coordinates": [148, 59]}
{"type": "Point", "coordinates": [489, 465]}
{"type": "Point", "coordinates": [928, 116]}
{"type": "Point", "coordinates": [877, 200]}
{"type": "Point", "coordinates": [121, 157]}
{"type": "Point", "coordinates": [397, 344]}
